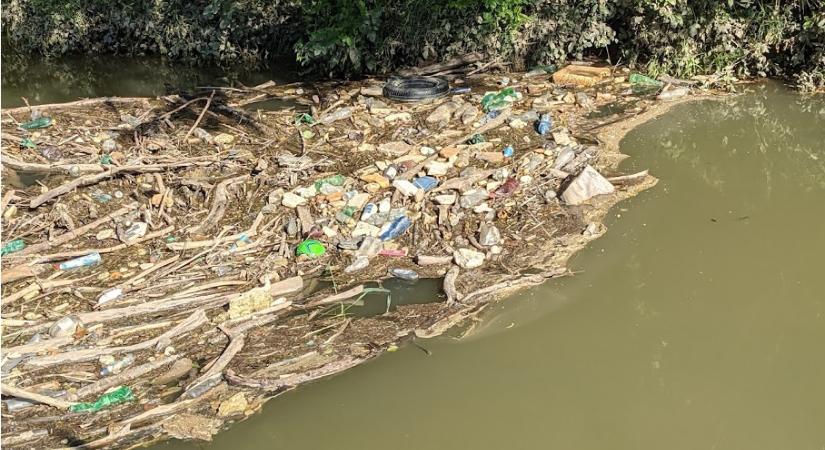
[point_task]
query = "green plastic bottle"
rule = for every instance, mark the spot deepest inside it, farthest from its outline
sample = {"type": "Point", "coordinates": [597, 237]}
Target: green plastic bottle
{"type": "Point", "coordinates": [36, 124]}
{"type": "Point", "coordinates": [499, 100]}
{"type": "Point", "coordinates": [335, 180]}
{"type": "Point", "coordinates": [120, 395]}
{"type": "Point", "coordinates": [12, 247]}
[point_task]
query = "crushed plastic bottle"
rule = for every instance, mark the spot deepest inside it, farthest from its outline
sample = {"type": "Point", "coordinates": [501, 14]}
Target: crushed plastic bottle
{"type": "Point", "coordinates": [507, 188]}
{"type": "Point", "coordinates": [242, 241]}
{"type": "Point", "coordinates": [51, 153]}
{"type": "Point", "coordinates": [109, 295]}
{"type": "Point", "coordinates": [84, 261]}
{"type": "Point", "coordinates": [404, 274]}
{"type": "Point", "coordinates": [311, 248]}
{"type": "Point", "coordinates": [36, 124]}
{"type": "Point", "coordinates": [545, 124]}
{"type": "Point", "coordinates": [460, 90]}
{"type": "Point", "coordinates": [502, 99]}
{"type": "Point", "coordinates": [425, 183]}
{"type": "Point", "coordinates": [106, 159]}
{"type": "Point", "coordinates": [13, 246]}
{"type": "Point", "coordinates": [335, 180]}
{"type": "Point", "coordinates": [642, 84]}
{"type": "Point", "coordinates": [27, 143]}
{"type": "Point", "coordinates": [476, 139]}
{"type": "Point", "coordinates": [304, 118]}
{"type": "Point", "coordinates": [395, 228]}
{"type": "Point", "coordinates": [117, 366]}
{"type": "Point", "coordinates": [101, 197]}
{"type": "Point", "coordinates": [120, 395]}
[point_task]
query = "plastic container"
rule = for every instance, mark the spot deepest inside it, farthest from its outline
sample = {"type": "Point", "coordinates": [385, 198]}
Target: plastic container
{"type": "Point", "coordinates": [311, 248]}
{"type": "Point", "coordinates": [89, 260]}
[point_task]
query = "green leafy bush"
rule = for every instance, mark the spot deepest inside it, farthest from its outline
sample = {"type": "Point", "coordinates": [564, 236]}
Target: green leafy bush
{"type": "Point", "coordinates": [352, 37]}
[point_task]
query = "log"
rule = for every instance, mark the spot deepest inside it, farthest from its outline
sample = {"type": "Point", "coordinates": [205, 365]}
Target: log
{"type": "Point", "coordinates": [453, 63]}
{"type": "Point", "coordinates": [44, 399]}
{"type": "Point", "coordinates": [78, 104]}
{"type": "Point", "coordinates": [91, 179]}
{"type": "Point", "coordinates": [340, 365]}
{"type": "Point", "coordinates": [76, 233]}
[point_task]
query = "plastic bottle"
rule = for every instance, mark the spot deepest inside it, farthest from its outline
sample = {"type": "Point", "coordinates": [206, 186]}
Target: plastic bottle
{"type": "Point", "coordinates": [36, 124]}
{"type": "Point", "coordinates": [13, 246]}
{"type": "Point", "coordinates": [476, 139]}
{"type": "Point", "coordinates": [120, 395]}
{"type": "Point", "coordinates": [117, 366]}
{"type": "Point", "coordinates": [499, 100]}
{"type": "Point", "coordinates": [109, 295]}
{"type": "Point", "coordinates": [340, 114]}
{"type": "Point", "coordinates": [102, 198]}
{"type": "Point", "coordinates": [545, 124]}
{"type": "Point", "coordinates": [395, 228]}
{"type": "Point", "coordinates": [84, 261]}
{"type": "Point", "coordinates": [335, 180]}
{"type": "Point", "coordinates": [508, 151]}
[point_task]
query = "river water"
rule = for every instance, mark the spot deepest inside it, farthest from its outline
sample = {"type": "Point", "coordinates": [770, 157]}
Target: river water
{"type": "Point", "coordinates": [697, 321]}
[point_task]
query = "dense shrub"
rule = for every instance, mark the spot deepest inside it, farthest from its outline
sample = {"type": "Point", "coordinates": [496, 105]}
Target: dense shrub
{"type": "Point", "coordinates": [350, 37]}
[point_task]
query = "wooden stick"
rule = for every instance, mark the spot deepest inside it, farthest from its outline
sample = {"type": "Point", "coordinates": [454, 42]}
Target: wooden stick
{"type": "Point", "coordinates": [24, 394]}
{"type": "Point", "coordinates": [8, 195]}
{"type": "Point", "coordinates": [91, 179]}
{"type": "Point", "coordinates": [219, 202]}
{"type": "Point", "coordinates": [65, 169]}
{"type": "Point", "coordinates": [76, 233]}
{"type": "Point", "coordinates": [126, 376]}
{"type": "Point", "coordinates": [337, 297]}
{"type": "Point", "coordinates": [78, 104]}
{"type": "Point", "coordinates": [205, 108]}
{"type": "Point", "coordinates": [114, 248]}
{"type": "Point", "coordinates": [236, 343]}
{"type": "Point", "coordinates": [449, 285]}
{"type": "Point", "coordinates": [192, 322]}
{"type": "Point", "coordinates": [293, 380]}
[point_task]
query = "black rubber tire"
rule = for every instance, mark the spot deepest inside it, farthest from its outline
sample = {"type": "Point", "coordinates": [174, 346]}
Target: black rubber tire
{"type": "Point", "coordinates": [415, 89]}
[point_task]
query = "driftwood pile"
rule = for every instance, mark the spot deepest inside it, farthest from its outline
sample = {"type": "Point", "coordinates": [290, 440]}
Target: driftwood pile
{"type": "Point", "coordinates": [189, 209]}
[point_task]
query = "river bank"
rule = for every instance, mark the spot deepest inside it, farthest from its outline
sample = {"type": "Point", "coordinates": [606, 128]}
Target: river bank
{"type": "Point", "coordinates": [222, 190]}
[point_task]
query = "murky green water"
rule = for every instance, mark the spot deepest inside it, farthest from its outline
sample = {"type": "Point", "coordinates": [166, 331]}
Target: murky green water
{"type": "Point", "coordinates": [698, 321]}
{"type": "Point", "coordinates": [68, 79]}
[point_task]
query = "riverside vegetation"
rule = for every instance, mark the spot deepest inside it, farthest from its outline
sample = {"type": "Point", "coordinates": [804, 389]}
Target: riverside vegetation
{"type": "Point", "coordinates": [744, 38]}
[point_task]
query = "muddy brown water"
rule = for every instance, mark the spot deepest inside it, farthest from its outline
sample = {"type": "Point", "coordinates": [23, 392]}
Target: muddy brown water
{"type": "Point", "coordinates": [697, 321]}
